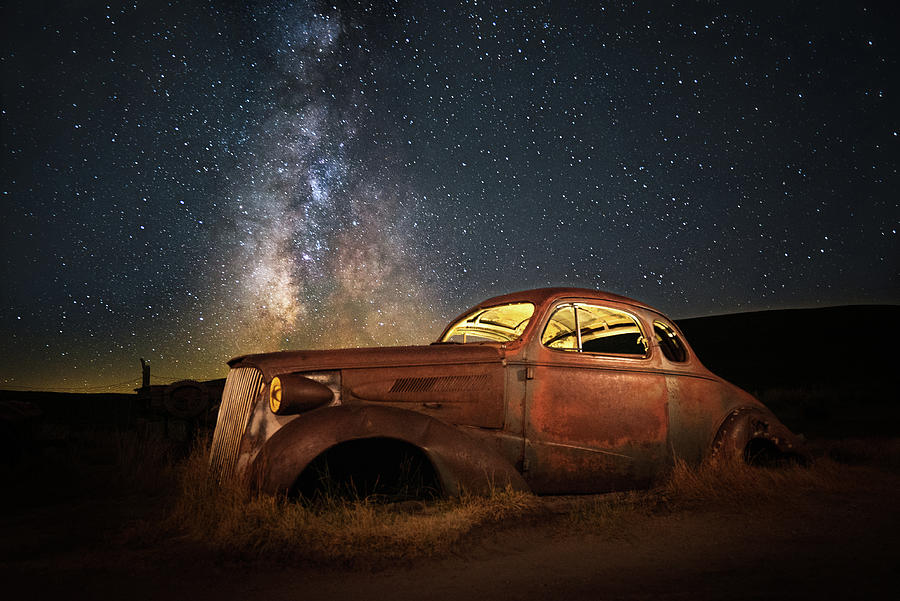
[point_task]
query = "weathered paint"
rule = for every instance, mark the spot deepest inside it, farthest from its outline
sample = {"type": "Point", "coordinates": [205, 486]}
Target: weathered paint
{"type": "Point", "coordinates": [482, 413]}
{"type": "Point", "coordinates": [599, 422]}
{"type": "Point", "coordinates": [463, 465]}
{"type": "Point", "coordinates": [460, 394]}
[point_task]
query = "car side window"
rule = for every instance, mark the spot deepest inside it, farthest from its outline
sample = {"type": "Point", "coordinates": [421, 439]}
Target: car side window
{"type": "Point", "coordinates": [671, 345]}
{"type": "Point", "coordinates": [560, 331]}
{"type": "Point", "coordinates": [610, 331]}
{"type": "Point", "coordinates": [594, 329]}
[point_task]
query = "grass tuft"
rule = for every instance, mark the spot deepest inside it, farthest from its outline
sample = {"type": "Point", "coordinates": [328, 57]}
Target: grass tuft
{"type": "Point", "coordinates": [732, 486]}
{"type": "Point", "coordinates": [735, 483]}
{"type": "Point", "coordinates": [328, 530]}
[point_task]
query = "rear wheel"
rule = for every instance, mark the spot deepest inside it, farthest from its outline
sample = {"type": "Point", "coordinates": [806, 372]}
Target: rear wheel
{"type": "Point", "coordinates": [757, 437]}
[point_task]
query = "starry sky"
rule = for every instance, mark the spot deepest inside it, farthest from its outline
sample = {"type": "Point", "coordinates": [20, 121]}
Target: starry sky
{"type": "Point", "coordinates": [190, 181]}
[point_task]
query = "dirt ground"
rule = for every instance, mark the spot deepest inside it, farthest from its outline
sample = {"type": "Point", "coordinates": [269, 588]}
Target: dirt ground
{"type": "Point", "coordinates": [819, 545]}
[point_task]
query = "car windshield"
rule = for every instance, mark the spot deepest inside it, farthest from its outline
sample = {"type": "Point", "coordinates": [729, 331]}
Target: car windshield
{"type": "Point", "coordinates": [492, 324]}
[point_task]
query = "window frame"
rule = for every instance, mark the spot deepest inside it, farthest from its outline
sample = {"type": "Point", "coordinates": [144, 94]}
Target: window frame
{"type": "Point", "coordinates": [678, 336]}
{"type": "Point", "coordinates": [575, 304]}
{"type": "Point", "coordinates": [475, 315]}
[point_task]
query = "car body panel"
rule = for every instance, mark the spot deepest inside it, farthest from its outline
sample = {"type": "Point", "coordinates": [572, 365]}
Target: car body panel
{"type": "Point", "coordinates": [462, 464]}
{"type": "Point", "coordinates": [600, 428]}
{"type": "Point", "coordinates": [564, 421]}
{"type": "Point", "coordinates": [463, 394]}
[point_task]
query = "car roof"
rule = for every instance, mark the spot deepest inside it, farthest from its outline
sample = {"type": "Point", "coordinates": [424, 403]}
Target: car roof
{"type": "Point", "coordinates": [539, 296]}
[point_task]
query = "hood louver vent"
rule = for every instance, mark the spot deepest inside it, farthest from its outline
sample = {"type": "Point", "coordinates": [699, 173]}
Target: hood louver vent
{"type": "Point", "coordinates": [445, 384]}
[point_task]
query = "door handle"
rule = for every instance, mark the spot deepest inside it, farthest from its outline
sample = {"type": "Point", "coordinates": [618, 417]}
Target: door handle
{"type": "Point", "coordinates": [432, 405]}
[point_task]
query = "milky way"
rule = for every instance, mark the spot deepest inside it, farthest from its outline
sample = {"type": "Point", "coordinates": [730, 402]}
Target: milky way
{"type": "Point", "coordinates": [191, 182]}
{"type": "Point", "coordinates": [324, 244]}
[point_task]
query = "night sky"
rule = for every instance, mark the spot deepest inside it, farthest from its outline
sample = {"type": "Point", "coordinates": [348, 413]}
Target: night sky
{"type": "Point", "coordinates": [190, 182]}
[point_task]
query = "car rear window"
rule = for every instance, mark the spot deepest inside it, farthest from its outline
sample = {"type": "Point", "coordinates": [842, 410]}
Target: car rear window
{"type": "Point", "coordinates": [669, 341]}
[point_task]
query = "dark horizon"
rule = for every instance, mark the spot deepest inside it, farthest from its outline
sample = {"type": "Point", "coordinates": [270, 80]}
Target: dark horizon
{"type": "Point", "coordinates": [707, 334]}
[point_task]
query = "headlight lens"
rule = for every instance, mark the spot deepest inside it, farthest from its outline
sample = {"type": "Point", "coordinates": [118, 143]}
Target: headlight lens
{"type": "Point", "coordinates": [298, 392]}
{"type": "Point", "coordinates": [275, 394]}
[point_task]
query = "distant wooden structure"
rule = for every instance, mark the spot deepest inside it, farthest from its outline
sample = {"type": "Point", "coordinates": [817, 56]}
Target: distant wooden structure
{"type": "Point", "coordinates": [176, 411]}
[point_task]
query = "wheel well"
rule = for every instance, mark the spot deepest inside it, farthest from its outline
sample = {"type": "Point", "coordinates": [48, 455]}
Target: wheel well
{"type": "Point", "coordinates": [385, 469]}
{"type": "Point", "coordinates": [760, 451]}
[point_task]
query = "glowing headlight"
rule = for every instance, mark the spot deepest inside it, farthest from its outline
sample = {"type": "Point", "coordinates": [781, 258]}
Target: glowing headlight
{"type": "Point", "coordinates": [295, 393]}
{"type": "Point", "coordinates": [275, 395]}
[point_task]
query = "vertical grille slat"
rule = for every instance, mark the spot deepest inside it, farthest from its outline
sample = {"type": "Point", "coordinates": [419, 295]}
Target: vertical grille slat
{"type": "Point", "coordinates": [241, 388]}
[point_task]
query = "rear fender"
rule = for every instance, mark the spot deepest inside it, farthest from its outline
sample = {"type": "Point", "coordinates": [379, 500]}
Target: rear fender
{"type": "Point", "coordinates": [745, 424]}
{"type": "Point", "coordinates": [462, 463]}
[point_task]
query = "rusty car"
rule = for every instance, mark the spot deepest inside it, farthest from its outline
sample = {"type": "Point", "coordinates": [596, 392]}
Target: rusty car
{"type": "Point", "coordinates": [555, 390]}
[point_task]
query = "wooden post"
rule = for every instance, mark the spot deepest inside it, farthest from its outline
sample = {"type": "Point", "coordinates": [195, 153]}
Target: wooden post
{"type": "Point", "coordinates": [145, 374]}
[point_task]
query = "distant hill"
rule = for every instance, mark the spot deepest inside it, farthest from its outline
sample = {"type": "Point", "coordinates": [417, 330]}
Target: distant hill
{"type": "Point", "coordinates": [833, 346]}
{"type": "Point", "coordinates": [828, 371]}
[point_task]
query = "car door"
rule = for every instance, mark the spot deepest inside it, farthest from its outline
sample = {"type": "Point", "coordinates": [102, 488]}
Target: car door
{"type": "Point", "coordinates": [595, 415]}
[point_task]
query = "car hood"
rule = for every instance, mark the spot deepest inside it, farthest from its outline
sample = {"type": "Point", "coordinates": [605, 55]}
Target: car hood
{"type": "Point", "coordinates": [272, 364]}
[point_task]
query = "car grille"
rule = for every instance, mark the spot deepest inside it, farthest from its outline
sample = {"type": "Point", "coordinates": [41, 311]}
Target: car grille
{"type": "Point", "coordinates": [241, 388]}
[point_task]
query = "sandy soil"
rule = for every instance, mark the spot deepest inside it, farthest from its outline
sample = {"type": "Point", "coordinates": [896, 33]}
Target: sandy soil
{"type": "Point", "coordinates": [824, 546]}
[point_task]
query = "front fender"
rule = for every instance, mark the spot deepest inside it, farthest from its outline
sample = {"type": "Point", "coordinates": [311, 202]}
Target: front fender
{"type": "Point", "coordinates": [462, 463]}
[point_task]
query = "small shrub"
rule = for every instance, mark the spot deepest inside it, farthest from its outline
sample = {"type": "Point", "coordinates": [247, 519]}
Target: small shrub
{"type": "Point", "coordinates": [734, 483]}
{"type": "Point", "coordinates": [611, 513]}
{"type": "Point", "coordinates": [723, 485]}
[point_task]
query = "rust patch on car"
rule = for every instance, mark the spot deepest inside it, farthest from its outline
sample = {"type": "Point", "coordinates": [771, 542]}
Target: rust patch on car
{"type": "Point", "coordinates": [560, 390]}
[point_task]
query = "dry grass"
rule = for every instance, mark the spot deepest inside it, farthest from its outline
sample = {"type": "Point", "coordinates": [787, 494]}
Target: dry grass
{"type": "Point", "coordinates": [733, 483]}
{"type": "Point", "coordinates": [735, 486]}
{"type": "Point", "coordinates": [244, 525]}
{"type": "Point", "coordinates": [237, 524]}
{"type": "Point", "coordinates": [141, 464]}
{"type": "Point", "coordinates": [90, 467]}
{"type": "Point", "coordinates": [134, 493]}
{"type": "Point", "coordinates": [611, 514]}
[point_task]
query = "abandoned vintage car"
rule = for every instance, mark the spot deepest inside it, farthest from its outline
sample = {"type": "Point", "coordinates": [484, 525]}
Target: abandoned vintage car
{"type": "Point", "coordinates": [557, 390]}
